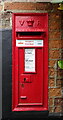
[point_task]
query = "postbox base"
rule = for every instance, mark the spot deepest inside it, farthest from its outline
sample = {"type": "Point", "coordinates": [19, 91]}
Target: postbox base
{"type": "Point", "coordinates": [26, 114]}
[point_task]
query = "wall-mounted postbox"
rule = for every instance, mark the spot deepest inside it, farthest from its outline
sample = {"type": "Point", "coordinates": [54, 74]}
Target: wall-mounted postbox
{"type": "Point", "coordinates": [30, 62]}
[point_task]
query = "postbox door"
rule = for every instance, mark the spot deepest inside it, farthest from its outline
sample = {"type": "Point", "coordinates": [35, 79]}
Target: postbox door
{"type": "Point", "coordinates": [30, 76]}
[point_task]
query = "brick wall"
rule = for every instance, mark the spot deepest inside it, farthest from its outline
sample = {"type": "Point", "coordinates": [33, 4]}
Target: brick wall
{"type": "Point", "coordinates": [55, 45]}
{"type": "Point", "coordinates": [55, 54]}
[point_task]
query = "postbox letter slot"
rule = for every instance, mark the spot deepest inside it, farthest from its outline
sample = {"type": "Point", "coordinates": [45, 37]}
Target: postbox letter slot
{"type": "Point", "coordinates": [23, 34]}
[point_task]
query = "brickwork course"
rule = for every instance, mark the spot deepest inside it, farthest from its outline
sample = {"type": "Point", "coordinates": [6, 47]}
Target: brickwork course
{"type": "Point", "coordinates": [55, 46]}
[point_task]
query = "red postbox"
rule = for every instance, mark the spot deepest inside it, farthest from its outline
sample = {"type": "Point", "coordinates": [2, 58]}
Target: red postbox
{"type": "Point", "coordinates": [30, 62]}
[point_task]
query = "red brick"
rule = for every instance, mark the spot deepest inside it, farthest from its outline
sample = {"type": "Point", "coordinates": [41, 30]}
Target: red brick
{"type": "Point", "coordinates": [62, 44]}
{"type": "Point", "coordinates": [59, 83]}
{"type": "Point", "coordinates": [19, 6]}
{"type": "Point", "coordinates": [43, 6]}
{"type": "Point", "coordinates": [54, 35]}
{"type": "Point", "coordinates": [55, 7]}
{"type": "Point", "coordinates": [60, 73]}
{"type": "Point", "coordinates": [56, 15]}
{"type": "Point", "coordinates": [52, 63]}
{"type": "Point", "coordinates": [51, 72]}
{"type": "Point", "coordinates": [53, 92]}
{"type": "Point", "coordinates": [55, 43]}
{"type": "Point", "coordinates": [51, 82]}
{"type": "Point", "coordinates": [57, 109]}
{"type": "Point", "coordinates": [54, 21]}
{"type": "Point", "coordinates": [58, 101]}
{"type": "Point", "coordinates": [51, 102]}
{"type": "Point", "coordinates": [61, 20]}
{"type": "Point", "coordinates": [54, 54]}
{"type": "Point", "coordinates": [54, 24]}
{"type": "Point", "coordinates": [51, 109]}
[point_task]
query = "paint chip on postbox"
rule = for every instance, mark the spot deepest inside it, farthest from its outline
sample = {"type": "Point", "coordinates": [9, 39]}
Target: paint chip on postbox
{"type": "Point", "coordinates": [29, 43]}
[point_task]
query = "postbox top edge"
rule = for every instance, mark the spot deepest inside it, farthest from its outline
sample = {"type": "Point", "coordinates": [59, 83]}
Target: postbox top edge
{"type": "Point", "coordinates": [30, 13]}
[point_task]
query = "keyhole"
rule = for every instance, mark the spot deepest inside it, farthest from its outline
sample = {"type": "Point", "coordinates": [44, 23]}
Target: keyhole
{"type": "Point", "coordinates": [24, 79]}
